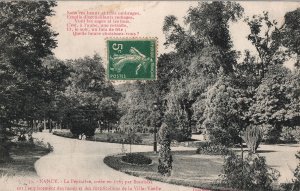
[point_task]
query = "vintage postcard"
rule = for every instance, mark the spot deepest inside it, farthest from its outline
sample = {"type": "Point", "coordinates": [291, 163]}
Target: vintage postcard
{"type": "Point", "coordinates": [149, 95]}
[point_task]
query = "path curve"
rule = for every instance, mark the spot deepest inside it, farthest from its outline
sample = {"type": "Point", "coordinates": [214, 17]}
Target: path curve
{"type": "Point", "coordinates": [83, 160]}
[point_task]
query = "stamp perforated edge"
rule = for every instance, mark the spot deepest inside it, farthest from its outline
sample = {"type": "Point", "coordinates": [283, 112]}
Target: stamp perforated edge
{"type": "Point", "coordinates": [124, 39]}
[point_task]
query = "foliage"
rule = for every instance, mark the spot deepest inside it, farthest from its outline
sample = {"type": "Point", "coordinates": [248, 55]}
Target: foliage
{"type": "Point", "coordinates": [23, 158]}
{"type": "Point", "coordinates": [211, 149]}
{"type": "Point", "coordinates": [293, 94]}
{"type": "Point", "coordinates": [88, 97]}
{"type": "Point", "coordinates": [178, 109]}
{"type": "Point", "coordinates": [56, 75]}
{"type": "Point", "coordinates": [64, 134]}
{"type": "Point", "coordinates": [295, 185]}
{"type": "Point", "coordinates": [135, 119]}
{"type": "Point", "coordinates": [4, 154]}
{"type": "Point", "coordinates": [121, 138]}
{"type": "Point", "coordinates": [137, 108]}
{"type": "Point", "coordinates": [136, 158]}
{"type": "Point", "coordinates": [203, 74]}
{"type": "Point", "coordinates": [4, 144]}
{"type": "Point", "coordinates": [165, 157]}
{"type": "Point", "coordinates": [290, 134]}
{"type": "Point", "coordinates": [209, 23]}
{"type": "Point", "coordinates": [252, 137]}
{"type": "Point", "coordinates": [201, 47]}
{"type": "Point", "coordinates": [132, 138]}
{"type": "Point", "coordinates": [81, 122]}
{"type": "Point", "coordinates": [216, 31]}
{"type": "Point", "coordinates": [87, 84]}
{"type": "Point", "coordinates": [272, 106]}
{"type": "Point", "coordinates": [224, 112]}
{"type": "Point", "coordinates": [276, 98]}
{"type": "Point", "coordinates": [184, 170]}
{"type": "Point", "coordinates": [250, 173]}
{"type": "Point", "coordinates": [180, 135]}
{"type": "Point", "coordinates": [271, 102]}
{"type": "Point", "coordinates": [109, 109]}
{"type": "Point", "coordinates": [25, 41]}
{"type": "Point", "coordinates": [296, 181]}
{"type": "Point", "coordinates": [267, 43]}
{"type": "Point", "coordinates": [290, 33]}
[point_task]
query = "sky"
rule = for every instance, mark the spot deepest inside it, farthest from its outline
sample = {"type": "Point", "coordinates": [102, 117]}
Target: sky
{"type": "Point", "coordinates": [149, 23]}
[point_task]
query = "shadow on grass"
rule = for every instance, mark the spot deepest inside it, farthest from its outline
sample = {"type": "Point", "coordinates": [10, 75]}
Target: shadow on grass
{"type": "Point", "coordinates": [23, 155]}
{"type": "Point", "coordinates": [192, 172]}
{"type": "Point", "coordinates": [265, 151]}
{"type": "Point", "coordinates": [289, 145]}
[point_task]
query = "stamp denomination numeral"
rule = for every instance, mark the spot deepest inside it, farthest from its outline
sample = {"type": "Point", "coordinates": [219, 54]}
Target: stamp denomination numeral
{"type": "Point", "coordinates": [117, 47]}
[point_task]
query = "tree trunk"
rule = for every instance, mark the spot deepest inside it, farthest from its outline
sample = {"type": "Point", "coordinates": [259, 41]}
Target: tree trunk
{"type": "Point", "coordinates": [45, 127]}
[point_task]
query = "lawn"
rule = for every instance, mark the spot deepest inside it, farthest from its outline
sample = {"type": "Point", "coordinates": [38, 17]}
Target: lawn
{"type": "Point", "coordinates": [23, 155]}
{"type": "Point", "coordinates": [145, 138]}
{"type": "Point", "coordinates": [116, 137]}
{"type": "Point", "coordinates": [189, 169]}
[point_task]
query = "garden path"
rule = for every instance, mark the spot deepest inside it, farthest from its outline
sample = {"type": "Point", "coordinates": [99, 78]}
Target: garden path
{"type": "Point", "coordinates": [83, 160]}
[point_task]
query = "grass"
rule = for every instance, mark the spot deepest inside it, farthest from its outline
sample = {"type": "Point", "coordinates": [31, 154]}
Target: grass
{"type": "Point", "coordinates": [23, 155]}
{"type": "Point", "coordinates": [136, 158]}
{"type": "Point", "coordinates": [146, 138]}
{"type": "Point", "coordinates": [66, 134]}
{"type": "Point", "coordinates": [189, 169]}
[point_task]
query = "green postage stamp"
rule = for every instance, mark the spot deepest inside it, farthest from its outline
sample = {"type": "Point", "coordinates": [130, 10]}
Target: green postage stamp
{"type": "Point", "coordinates": [131, 59]}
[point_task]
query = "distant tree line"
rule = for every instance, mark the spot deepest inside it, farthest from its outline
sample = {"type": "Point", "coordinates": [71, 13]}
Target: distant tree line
{"type": "Point", "coordinates": [36, 89]}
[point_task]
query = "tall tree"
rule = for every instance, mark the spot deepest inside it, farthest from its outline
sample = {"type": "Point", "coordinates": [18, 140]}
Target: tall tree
{"type": "Point", "coordinates": [210, 24]}
{"type": "Point", "coordinates": [89, 95]}
{"type": "Point", "coordinates": [271, 102]}
{"type": "Point", "coordinates": [26, 38]}
{"type": "Point", "coordinates": [225, 116]}
{"type": "Point", "coordinates": [293, 94]}
{"type": "Point", "coordinates": [290, 33]}
{"type": "Point", "coordinates": [265, 35]}
{"type": "Point", "coordinates": [201, 48]}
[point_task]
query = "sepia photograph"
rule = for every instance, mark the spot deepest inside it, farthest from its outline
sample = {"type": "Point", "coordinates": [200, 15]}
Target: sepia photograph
{"type": "Point", "coordinates": [149, 95]}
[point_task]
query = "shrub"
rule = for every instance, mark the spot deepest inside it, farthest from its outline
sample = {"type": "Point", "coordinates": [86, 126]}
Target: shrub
{"type": "Point", "coordinates": [133, 138]}
{"type": "Point", "coordinates": [4, 154]}
{"type": "Point", "coordinates": [290, 134]}
{"type": "Point", "coordinates": [251, 173]}
{"type": "Point", "coordinates": [113, 137]}
{"type": "Point", "coordinates": [180, 135]}
{"type": "Point", "coordinates": [211, 149]}
{"type": "Point", "coordinates": [119, 138]}
{"type": "Point", "coordinates": [295, 185]}
{"type": "Point", "coordinates": [22, 138]}
{"type": "Point", "coordinates": [81, 122]}
{"type": "Point", "coordinates": [165, 157]}
{"type": "Point", "coordinates": [83, 127]}
{"type": "Point", "coordinates": [272, 134]}
{"type": "Point", "coordinates": [296, 133]}
{"type": "Point", "coordinates": [136, 158]}
{"type": "Point", "coordinates": [252, 137]}
{"type": "Point", "coordinates": [227, 137]}
{"type": "Point", "coordinates": [44, 145]}
{"type": "Point", "coordinates": [64, 134]}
